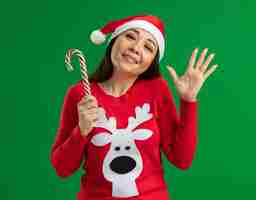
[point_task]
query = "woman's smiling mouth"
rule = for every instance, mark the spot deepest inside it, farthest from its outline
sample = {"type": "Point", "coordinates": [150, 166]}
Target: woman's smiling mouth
{"type": "Point", "coordinates": [130, 59]}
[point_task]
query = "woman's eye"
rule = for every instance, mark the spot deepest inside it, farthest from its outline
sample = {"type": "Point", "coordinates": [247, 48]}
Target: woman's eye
{"type": "Point", "coordinates": [149, 48]}
{"type": "Point", "coordinates": [130, 36]}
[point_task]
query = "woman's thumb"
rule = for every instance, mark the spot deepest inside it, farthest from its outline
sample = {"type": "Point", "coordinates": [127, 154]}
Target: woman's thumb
{"type": "Point", "coordinates": [172, 72]}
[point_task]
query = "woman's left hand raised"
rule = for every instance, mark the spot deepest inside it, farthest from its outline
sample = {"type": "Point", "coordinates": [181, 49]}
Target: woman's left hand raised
{"type": "Point", "coordinates": [189, 84]}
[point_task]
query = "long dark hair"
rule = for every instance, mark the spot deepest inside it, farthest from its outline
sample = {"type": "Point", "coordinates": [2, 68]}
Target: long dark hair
{"type": "Point", "coordinates": [105, 68]}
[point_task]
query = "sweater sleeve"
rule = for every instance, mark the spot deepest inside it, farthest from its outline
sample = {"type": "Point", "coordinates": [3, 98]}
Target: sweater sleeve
{"type": "Point", "coordinates": [178, 132]}
{"type": "Point", "coordinates": [68, 149]}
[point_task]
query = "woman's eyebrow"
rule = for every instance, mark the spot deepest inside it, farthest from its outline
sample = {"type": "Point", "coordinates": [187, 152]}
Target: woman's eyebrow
{"type": "Point", "coordinates": [150, 40]}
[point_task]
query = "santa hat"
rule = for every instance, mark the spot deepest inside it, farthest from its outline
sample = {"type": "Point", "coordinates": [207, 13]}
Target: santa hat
{"type": "Point", "coordinates": [149, 23]}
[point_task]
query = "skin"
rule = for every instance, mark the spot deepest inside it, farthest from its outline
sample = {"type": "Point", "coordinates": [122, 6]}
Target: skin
{"type": "Point", "coordinates": [142, 46]}
{"type": "Point", "coordinates": [189, 84]}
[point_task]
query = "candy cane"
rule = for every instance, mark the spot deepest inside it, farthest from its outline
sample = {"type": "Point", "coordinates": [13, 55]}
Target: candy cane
{"type": "Point", "coordinates": [83, 66]}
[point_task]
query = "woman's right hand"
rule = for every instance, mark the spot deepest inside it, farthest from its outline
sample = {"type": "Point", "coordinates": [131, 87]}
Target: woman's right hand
{"type": "Point", "coordinates": [87, 112]}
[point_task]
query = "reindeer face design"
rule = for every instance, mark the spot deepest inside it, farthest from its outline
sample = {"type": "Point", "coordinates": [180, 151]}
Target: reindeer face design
{"type": "Point", "coordinates": [123, 163]}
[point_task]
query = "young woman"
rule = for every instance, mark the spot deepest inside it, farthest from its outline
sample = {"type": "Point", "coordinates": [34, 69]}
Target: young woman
{"type": "Point", "coordinates": [117, 133]}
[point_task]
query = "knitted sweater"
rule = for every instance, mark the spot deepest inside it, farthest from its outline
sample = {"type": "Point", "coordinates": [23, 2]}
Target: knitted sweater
{"type": "Point", "coordinates": [121, 156]}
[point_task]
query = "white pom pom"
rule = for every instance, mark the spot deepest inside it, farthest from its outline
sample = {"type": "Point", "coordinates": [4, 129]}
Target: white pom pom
{"type": "Point", "coordinates": [97, 37]}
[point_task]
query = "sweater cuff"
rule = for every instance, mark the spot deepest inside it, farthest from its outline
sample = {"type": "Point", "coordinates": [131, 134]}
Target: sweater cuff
{"type": "Point", "coordinates": [186, 101]}
{"type": "Point", "coordinates": [188, 109]}
{"type": "Point", "coordinates": [77, 137]}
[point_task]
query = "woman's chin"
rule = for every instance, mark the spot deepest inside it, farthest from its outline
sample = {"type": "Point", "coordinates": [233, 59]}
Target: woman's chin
{"type": "Point", "coordinates": [128, 63]}
{"type": "Point", "coordinates": [127, 69]}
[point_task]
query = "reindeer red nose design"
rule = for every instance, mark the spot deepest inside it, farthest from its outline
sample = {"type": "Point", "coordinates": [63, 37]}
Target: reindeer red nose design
{"type": "Point", "coordinates": [123, 162]}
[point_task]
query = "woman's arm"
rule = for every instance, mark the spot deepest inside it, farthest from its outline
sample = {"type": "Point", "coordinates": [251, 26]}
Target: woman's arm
{"type": "Point", "coordinates": [68, 149]}
{"type": "Point", "coordinates": [178, 132]}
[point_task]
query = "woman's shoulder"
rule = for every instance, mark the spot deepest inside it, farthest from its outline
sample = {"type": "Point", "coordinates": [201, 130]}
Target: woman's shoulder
{"type": "Point", "coordinates": [157, 83]}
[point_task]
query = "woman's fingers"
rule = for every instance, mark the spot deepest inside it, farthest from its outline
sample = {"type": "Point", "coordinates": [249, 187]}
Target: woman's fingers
{"type": "Point", "coordinates": [92, 105]}
{"type": "Point", "coordinates": [88, 102]}
{"type": "Point", "coordinates": [173, 73]}
{"type": "Point", "coordinates": [192, 59]}
{"type": "Point", "coordinates": [93, 119]}
{"type": "Point", "coordinates": [88, 98]}
{"type": "Point", "coordinates": [210, 71]}
{"type": "Point", "coordinates": [92, 116]}
{"type": "Point", "coordinates": [89, 115]}
{"type": "Point", "coordinates": [204, 66]}
{"type": "Point", "coordinates": [92, 110]}
{"type": "Point", "coordinates": [201, 58]}
{"type": "Point", "coordinates": [88, 107]}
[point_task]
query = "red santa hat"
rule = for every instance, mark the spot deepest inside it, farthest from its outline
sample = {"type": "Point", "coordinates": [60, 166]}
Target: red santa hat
{"type": "Point", "coordinates": [150, 23]}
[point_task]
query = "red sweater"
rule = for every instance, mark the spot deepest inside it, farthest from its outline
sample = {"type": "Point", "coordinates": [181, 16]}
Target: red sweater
{"type": "Point", "coordinates": [121, 155]}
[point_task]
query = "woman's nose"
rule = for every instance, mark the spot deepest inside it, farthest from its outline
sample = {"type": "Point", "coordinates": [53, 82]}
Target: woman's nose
{"type": "Point", "coordinates": [135, 48]}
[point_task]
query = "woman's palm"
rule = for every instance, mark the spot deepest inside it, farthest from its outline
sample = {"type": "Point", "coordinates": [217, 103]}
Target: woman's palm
{"type": "Point", "coordinates": [189, 84]}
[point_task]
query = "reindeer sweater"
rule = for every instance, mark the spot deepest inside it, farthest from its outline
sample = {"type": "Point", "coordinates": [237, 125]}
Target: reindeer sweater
{"type": "Point", "coordinates": [121, 156]}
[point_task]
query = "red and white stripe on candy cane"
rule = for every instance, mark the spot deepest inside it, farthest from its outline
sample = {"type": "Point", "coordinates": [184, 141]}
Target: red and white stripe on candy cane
{"type": "Point", "coordinates": [70, 53]}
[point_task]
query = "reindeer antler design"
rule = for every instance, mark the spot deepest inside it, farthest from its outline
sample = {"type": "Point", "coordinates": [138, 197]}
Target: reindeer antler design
{"type": "Point", "coordinates": [141, 115]}
{"type": "Point", "coordinates": [103, 122]}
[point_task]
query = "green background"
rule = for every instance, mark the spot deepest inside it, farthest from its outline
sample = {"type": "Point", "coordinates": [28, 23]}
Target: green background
{"type": "Point", "coordinates": [34, 37]}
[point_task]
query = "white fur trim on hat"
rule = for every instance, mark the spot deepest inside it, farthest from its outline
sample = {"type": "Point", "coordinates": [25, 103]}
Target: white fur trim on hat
{"type": "Point", "coordinates": [146, 26]}
{"type": "Point", "coordinates": [97, 37]}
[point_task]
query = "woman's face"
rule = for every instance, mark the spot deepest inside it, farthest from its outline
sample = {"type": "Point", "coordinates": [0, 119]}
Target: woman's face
{"type": "Point", "coordinates": [133, 51]}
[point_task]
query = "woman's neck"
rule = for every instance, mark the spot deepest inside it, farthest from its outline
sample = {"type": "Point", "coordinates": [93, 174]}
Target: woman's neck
{"type": "Point", "coordinates": [117, 86]}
